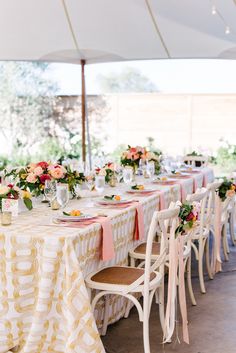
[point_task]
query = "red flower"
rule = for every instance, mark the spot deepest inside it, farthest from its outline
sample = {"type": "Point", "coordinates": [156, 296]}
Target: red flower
{"type": "Point", "coordinates": [43, 165]}
{"type": "Point", "coordinates": [44, 177]}
{"type": "Point", "coordinates": [10, 186]}
{"type": "Point", "coordinates": [109, 164]}
{"type": "Point", "coordinates": [190, 217]}
{"type": "Point", "coordinates": [97, 170]}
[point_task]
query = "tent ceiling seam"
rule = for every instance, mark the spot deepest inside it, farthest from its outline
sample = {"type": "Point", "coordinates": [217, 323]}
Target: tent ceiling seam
{"type": "Point", "coordinates": [157, 28]}
{"type": "Point", "coordinates": [71, 29]}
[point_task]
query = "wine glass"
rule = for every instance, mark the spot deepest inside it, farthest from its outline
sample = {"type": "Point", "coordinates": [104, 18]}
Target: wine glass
{"type": "Point", "coordinates": [128, 175]}
{"type": "Point", "coordinates": [100, 183]}
{"type": "Point", "coordinates": [150, 169]}
{"type": "Point", "coordinates": [62, 193]}
{"type": "Point", "coordinates": [90, 180]}
{"type": "Point", "coordinates": [142, 166]}
{"type": "Point", "coordinates": [119, 172]}
{"type": "Point", "coordinates": [50, 190]}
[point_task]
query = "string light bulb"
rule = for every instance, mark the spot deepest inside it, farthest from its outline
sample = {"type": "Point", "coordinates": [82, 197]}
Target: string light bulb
{"type": "Point", "coordinates": [227, 30]}
{"type": "Point", "coordinates": [213, 10]}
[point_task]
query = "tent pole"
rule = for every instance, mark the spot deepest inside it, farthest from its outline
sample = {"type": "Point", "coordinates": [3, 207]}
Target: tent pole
{"type": "Point", "coordinates": [83, 110]}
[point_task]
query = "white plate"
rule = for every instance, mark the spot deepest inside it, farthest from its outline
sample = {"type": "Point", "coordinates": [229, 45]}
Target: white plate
{"type": "Point", "coordinates": [112, 202]}
{"type": "Point", "coordinates": [81, 218]}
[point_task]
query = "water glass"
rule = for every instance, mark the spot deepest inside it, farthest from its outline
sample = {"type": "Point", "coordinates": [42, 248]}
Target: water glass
{"type": "Point", "coordinates": [90, 180]}
{"type": "Point", "coordinates": [142, 166]}
{"type": "Point", "coordinates": [62, 193]}
{"type": "Point", "coordinates": [128, 175]}
{"type": "Point", "coordinates": [50, 190]}
{"type": "Point", "coordinates": [150, 169]}
{"type": "Point", "coordinates": [100, 183]}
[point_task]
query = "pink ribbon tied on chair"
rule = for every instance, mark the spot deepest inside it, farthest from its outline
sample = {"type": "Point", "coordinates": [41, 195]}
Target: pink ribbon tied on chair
{"type": "Point", "coordinates": [217, 263]}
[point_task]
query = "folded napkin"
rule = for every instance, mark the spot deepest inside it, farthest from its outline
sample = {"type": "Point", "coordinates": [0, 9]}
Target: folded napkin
{"type": "Point", "coordinates": [107, 251]}
{"type": "Point", "coordinates": [195, 186]}
{"type": "Point", "coordinates": [139, 217]}
{"type": "Point", "coordinates": [162, 204]}
{"type": "Point", "coordinates": [139, 222]}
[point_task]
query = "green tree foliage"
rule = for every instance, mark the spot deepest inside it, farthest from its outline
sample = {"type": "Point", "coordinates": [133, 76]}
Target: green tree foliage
{"type": "Point", "coordinates": [27, 98]}
{"type": "Point", "coordinates": [128, 80]}
{"type": "Point", "coordinates": [35, 122]}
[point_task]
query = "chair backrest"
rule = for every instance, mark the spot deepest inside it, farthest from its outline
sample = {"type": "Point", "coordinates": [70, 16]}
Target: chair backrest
{"type": "Point", "coordinates": [196, 161]}
{"type": "Point", "coordinates": [158, 220]}
{"type": "Point", "coordinates": [201, 197]}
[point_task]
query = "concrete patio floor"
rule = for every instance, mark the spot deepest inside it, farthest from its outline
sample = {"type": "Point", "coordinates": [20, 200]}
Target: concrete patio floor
{"type": "Point", "coordinates": [212, 323]}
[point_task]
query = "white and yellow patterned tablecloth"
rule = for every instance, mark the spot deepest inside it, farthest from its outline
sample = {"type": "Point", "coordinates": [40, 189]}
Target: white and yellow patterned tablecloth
{"type": "Point", "coordinates": [44, 306]}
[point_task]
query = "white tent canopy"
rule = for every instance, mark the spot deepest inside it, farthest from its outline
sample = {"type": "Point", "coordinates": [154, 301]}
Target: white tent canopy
{"type": "Point", "coordinates": [116, 30]}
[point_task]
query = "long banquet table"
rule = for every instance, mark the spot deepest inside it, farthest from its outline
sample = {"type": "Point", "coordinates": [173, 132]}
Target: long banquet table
{"type": "Point", "coordinates": [44, 305]}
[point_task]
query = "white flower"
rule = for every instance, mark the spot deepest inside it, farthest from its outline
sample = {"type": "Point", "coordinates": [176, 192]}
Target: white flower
{"type": "Point", "coordinates": [178, 204]}
{"type": "Point", "coordinates": [4, 190]}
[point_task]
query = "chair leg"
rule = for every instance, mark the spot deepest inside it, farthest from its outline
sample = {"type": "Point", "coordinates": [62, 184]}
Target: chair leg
{"type": "Point", "coordinates": [200, 267]}
{"type": "Point", "coordinates": [132, 262]}
{"type": "Point", "coordinates": [231, 228]}
{"type": "Point", "coordinates": [207, 250]}
{"type": "Point", "coordinates": [161, 298]}
{"type": "Point", "coordinates": [189, 281]}
{"type": "Point", "coordinates": [106, 315]}
{"type": "Point", "coordinates": [224, 240]}
{"type": "Point", "coordinates": [128, 308]}
{"type": "Point", "coordinates": [146, 341]}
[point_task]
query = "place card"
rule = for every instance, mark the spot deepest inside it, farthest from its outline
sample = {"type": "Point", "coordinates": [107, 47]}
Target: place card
{"type": "Point", "coordinates": [9, 205]}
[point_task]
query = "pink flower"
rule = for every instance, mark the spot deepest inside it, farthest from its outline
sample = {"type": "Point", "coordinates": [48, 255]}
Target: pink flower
{"type": "Point", "coordinates": [230, 193]}
{"type": "Point", "coordinates": [129, 155]}
{"type": "Point", "coordinates": [140, 149]}
{"type": "Point", "coordinates": [31, 178]}
{"type": "Point", "coordinates": [57, 172]}
{"type": "Point", "coordinates": [38, 171]}
{"type": "Point", "coordinates": [31, 167]}
{"type": "Point", "coordinates": [133, 149]}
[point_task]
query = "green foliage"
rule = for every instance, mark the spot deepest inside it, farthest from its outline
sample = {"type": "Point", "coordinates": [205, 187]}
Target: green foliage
{"type": "Point", "coordinates": [194, 154]}
{"type": "Point", "coordinates": [226, 157]}
{"type": "Point", "coordinates": [185, 217]}
{"type": "Point", "coordinates": [225, 186]}
{"type": "Point", "coordinates": [128, 80]}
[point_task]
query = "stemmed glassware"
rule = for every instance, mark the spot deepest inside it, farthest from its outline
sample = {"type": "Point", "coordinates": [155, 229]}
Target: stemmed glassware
{"type": "Point", "coordinates": [150, 169]}
{"type": "Point", "coordinates": [62, 193]}
{"type": "Point", "coordinates": [90, 179]}
{"type": "Point", "coordinates": [119, 173]}
{"type": "Point", "coordinates": [143, 166]}
{"type": "Point", "coordinates": [128, 175]}
{"type": "Point", "coordinates": [50, 190]}
{"type": "Point", "coordinates": [100, 183]}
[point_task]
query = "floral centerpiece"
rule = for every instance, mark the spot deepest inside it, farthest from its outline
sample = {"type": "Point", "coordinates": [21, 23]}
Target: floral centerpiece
{"type": "Point", "coordinates": [33, 177]}
{"type": "Point", "coordinates": [12, 192]}
{"type": "Point", "coordinates": [188, 215]}
{"type": "Point", "coordinates": [133, 155]}
{"type": "Point", "coordinates": [108, 170]}
{"type": "Point", "coordinates": [226, 189]}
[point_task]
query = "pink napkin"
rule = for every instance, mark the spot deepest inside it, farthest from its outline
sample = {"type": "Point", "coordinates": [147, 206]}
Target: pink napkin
{"type": "Point", "coordinates": [194, 184]}
{"type": "Point", "coordinates": [182, 190]}
{"type": "Point", "coordinates": [107, 252]}
{"type": "Point", "coordinates": [205, 178]}
{"type": "Point", "coordinates": [139, 222]}
{"type": "Point", "coordinates": [139, 218]}
{"type": "Point", "coordinates": [162, 204]}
